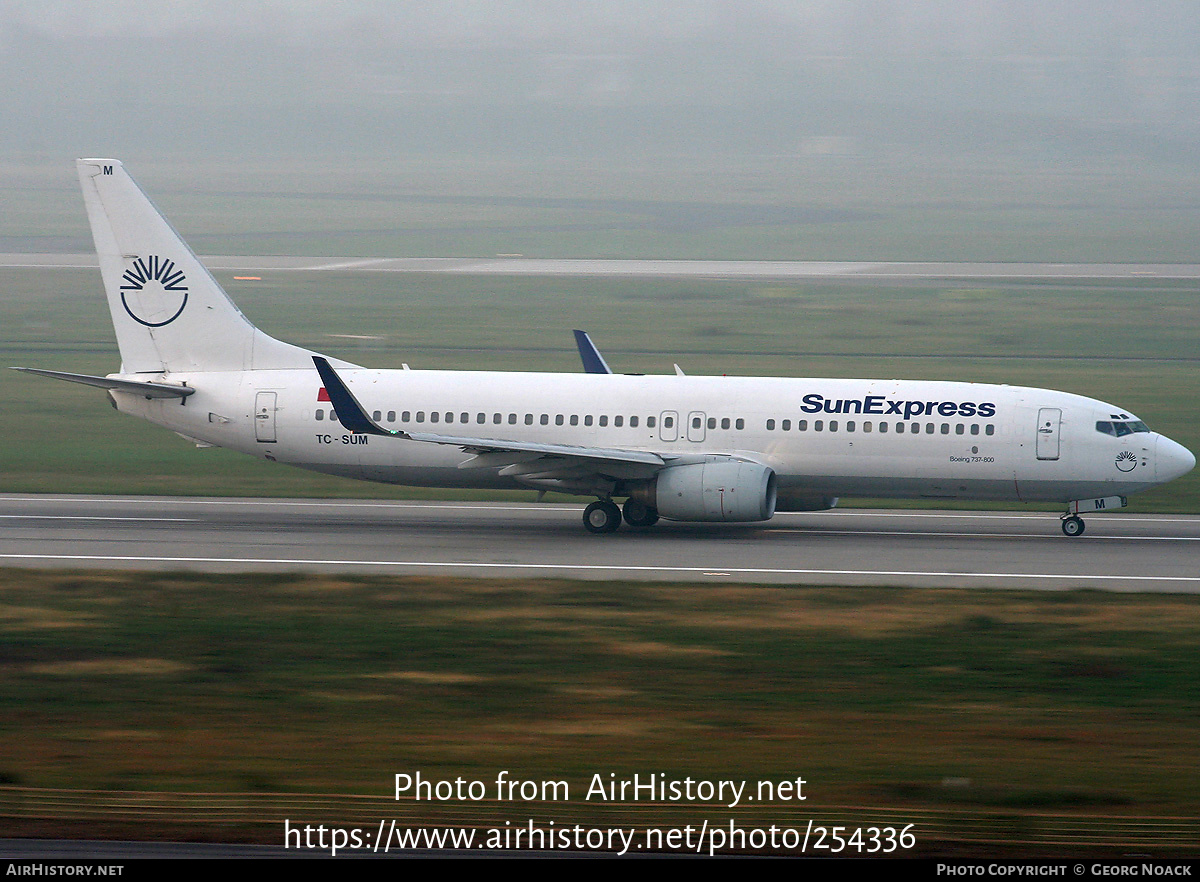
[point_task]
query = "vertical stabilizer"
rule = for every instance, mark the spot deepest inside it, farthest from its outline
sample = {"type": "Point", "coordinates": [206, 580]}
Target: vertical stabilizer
{"type": "Point", "coordinates": [168, 311]}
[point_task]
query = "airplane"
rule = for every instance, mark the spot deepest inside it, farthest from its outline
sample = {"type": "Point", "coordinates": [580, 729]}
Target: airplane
{"type": "Point", "coordinates": [684, 448]}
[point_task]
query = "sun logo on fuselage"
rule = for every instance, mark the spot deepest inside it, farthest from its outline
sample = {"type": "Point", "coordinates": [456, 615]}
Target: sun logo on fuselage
{"type": "Point", "coordinates": [154, 293]}
{"type": "Point", "coordinates": [1126, 461]}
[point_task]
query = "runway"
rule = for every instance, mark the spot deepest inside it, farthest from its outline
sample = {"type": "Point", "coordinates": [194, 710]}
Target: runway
{"type": "Point", "coordinates": [714, 269]}
{"type": "Point", "coordinates": [1119, 552]}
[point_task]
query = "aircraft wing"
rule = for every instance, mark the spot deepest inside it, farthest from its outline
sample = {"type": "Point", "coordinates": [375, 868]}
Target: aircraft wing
{"type": "Point", "coordinates": [150, 390]}
{"type": "Point", "coordinates": [495, 452]}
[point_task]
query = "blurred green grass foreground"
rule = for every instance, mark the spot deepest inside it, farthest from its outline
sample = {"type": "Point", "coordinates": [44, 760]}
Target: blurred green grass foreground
{"type": "Point", "coordinates": [933, 705]}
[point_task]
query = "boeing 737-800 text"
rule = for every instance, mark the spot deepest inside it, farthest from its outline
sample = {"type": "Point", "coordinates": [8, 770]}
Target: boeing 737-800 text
{"type": "Point", "coordinates": [686, 448]}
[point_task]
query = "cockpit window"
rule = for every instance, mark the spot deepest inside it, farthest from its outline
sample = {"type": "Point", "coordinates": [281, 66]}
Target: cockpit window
{"type": "Point", "coordinates": [1121, 429]}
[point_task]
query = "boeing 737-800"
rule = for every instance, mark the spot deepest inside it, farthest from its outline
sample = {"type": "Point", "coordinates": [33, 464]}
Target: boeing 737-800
{"type": "Point", "coordinates": [685, 448]}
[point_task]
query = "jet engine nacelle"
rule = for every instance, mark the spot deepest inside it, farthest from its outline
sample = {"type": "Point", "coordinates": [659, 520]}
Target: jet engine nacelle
{"type": "Point", "coordinates": [724, 490]}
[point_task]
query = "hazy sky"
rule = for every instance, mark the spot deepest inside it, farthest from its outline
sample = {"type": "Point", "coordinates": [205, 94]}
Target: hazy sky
{"type": "Point", "coordinates": [494, 76]}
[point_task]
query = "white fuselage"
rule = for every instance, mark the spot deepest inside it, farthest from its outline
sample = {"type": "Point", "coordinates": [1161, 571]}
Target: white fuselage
{"type": "Point", "coordinates": [822, 437]}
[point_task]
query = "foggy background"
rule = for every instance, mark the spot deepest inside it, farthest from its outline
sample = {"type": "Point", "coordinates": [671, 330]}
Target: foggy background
{"type": "Point", "coordinates": [1036, 81]}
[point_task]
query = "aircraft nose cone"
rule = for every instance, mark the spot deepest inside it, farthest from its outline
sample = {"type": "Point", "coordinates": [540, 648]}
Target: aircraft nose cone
{"type": "Point", "coordinates": [1172, 460]}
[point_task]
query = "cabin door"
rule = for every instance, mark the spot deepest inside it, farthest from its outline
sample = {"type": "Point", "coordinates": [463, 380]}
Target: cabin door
{"type": "Point", "coordinates": [1049, 423]}
{"type": "Point", "coordinates": [264, 417]}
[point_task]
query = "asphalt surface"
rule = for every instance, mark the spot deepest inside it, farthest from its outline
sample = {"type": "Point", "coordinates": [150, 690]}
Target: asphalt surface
{"type": "Point", "coordinates": [721, 269]}
{"type": "Point", "coordinates": [1121, 552]}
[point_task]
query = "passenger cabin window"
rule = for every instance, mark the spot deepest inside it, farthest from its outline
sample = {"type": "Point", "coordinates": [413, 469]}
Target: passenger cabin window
{"type": "Point", "coordinates": [770, 425]}
{"type": "Point", "coordinates": [786, 425]}
{"type": "Point", "coordinates": [604, 421]}
{"type": "Point", "coordinates": [391, 416]}
{"type": "Point", "coordinates": [650, 422]}
{"type": "Point", "coordinates": [740, 424]}
{"type": "Point", "coordinates": [319, 415]}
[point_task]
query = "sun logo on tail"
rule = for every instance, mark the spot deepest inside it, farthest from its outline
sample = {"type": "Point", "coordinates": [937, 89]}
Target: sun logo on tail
{"type": "Point", "coordinates": [154, 293]}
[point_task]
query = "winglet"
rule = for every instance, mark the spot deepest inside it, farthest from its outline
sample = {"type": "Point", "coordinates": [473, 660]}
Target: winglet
{"type": "Point", "coordinates": [349, 412]}
{"type": "Point", "coordinates": [593, 361]}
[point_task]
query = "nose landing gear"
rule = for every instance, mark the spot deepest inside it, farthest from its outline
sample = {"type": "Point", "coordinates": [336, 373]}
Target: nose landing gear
{"type": "Point", "coordinates": [1072, 525]}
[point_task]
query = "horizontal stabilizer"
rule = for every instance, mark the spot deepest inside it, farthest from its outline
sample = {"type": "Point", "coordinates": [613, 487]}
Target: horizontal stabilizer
{"type": "Point", "coordinates": [137, 387]}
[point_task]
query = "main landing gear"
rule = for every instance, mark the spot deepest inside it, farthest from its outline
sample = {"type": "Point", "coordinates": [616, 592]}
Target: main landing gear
{"type": "Point", "coordinates": [1072, 525]}
{"type": "Point", "coordinates": [638, 514]}
{"type": "Point", "coordinates": [603, 516]}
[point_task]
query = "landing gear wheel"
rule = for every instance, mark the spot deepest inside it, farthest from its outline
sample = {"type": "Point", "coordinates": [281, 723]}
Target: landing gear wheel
{"type": "Point", "coordinates": [638, 514]}
{"type": "Point", "coordinates": [1073, 526]}
{"type": "Point", "coordinates": [602, 516]}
